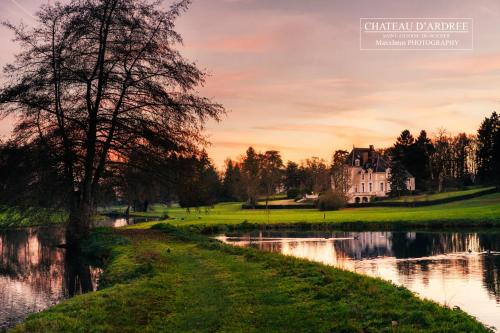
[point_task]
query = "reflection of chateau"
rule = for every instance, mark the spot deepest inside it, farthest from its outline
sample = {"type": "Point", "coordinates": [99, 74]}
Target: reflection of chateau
{"type": "Point", "coordinates": [415, 259]}
{"type": "Point", "coordinates": [369, 175]}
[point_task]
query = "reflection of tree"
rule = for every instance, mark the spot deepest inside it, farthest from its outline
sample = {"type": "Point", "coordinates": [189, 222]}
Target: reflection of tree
{"type": "Point", "coordinates": [35, 273]}
{"type": "Point", "coordinates": [30, 256]}
{"type": "Point", "coordinates": [491, 263]}
{"type": "Point", "coordinates": [420, 244]}
{"type": "Point", "coordinates": [491, 275]}
{"type": "Point", "coordinates": [432, 244]}
{"type": "Point", "coordinates": [419, 255]}
{"type": "Point", "coordinates": [78, 277]}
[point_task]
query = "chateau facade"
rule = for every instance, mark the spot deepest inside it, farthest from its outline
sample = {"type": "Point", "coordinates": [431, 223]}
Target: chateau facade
{"type": "Point", "coordinates": [369, 175]}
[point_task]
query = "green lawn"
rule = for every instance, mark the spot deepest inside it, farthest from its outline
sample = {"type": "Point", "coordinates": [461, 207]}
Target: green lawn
{"type": "Point", "coordinates": [284, 202]}
{"type": "Point", "coordinates": [477, 211]}
{"type": "Point", "coordinates": [439, 196]}
{"type": "Point", "coordinates": [173, 281]}
{"type": "Point", "coordinates": [30, 217]}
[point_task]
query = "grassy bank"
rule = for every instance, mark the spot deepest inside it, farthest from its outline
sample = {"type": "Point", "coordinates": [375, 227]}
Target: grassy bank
{"type": "Point", "coordinates": [11, 217]}
{"type": "Point", "coordinates": [173, 281]}
{"type": "Point", "coordinates": [439, 196]}
{"type": "Point", "coordinates": [480, 211]}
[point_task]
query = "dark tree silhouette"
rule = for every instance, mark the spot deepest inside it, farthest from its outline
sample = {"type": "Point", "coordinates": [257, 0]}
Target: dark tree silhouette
{"type": "Point", "coordinates": [423, 150]}
{"type": "Point", "coordinates": [271, 166]}
{"type": "Point", "coordinates": [200, 184]}
{"type": "Point", "coordinates": [488, 154]}
{"type": "Point", "coordinates": [398, 178]}
{"type": "Point", "coordinates": [341, 179]}
{"type": "Point", "coordinates": [232, 186]}
{"type": "Point", "coordinates": [251, 175]}
{"type": "Point", "coordinates": [96, 79]}
{"type": "Point", "coordinates": [292, 176]}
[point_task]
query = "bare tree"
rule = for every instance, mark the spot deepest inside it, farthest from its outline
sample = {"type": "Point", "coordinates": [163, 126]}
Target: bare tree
{"type": "Point", "coordinates": [341, 178]}
{"type": "Point", "coordinates": [97, 79]}
{"type": "Point", "coordinates": [271, 172]}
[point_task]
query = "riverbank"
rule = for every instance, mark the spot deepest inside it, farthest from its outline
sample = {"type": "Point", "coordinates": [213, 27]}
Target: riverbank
{"type": "Point", "coordinates": [482, 211]}
{"type": "Point", "coordinates": [12, 217]}
{"type": "Point", "coordinates": [170, 280]}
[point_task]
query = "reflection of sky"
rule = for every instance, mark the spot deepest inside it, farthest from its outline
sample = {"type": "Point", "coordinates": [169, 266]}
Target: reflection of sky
{"type": "Point", "coordinates": [34, 272]}
{"type": "Point", "coordinates": [435, 265]}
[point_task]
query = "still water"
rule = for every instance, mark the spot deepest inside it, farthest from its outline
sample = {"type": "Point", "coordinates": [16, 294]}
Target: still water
{"type": "Point", "coordinates": [36, 274]}
{"type": "Point", "coordinates": [116, 222]}
{"type": "Point", "coordinates": [453, 268]}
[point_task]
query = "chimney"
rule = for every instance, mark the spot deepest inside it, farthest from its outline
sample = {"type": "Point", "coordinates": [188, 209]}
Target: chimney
{"type": "Point", "coordinates": [371, 148]}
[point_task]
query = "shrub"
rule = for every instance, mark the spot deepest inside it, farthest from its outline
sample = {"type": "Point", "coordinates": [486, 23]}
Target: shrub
{"type": "Point", "coordinates": [331, 200]}
{"type": "Point", "coordinates": [293, 193]}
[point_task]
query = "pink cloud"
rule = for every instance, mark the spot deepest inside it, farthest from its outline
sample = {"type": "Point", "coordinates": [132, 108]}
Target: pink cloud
{"type": "Point", "coordinates": [464, 66]}
{"type": "Point", "coordinates": [233, 44]}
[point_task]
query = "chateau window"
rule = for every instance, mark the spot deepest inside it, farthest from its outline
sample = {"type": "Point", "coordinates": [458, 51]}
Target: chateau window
{"type": "Point", "coordinates": [370, 186]}
{"type": "Point", "coordinates": [382, 187]}
{"type": "Point", "coordinates": [362, 187]}
{"type": "Point", "coordinates": [370, 175]}
{"type": "Point", "coordinates": [356, 162]}
{"type": "Point", "coordinates": [362, 175]}
{"type": "Point", "coordinates": [355, 189]}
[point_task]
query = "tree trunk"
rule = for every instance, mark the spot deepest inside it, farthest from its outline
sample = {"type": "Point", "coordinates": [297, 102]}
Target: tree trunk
{"type": "Point", "coordinates": [77, 274]}
{"type": "Point", "coordinates": [79, 224]}
{"type": "Point", "coordinates": [127, 212]}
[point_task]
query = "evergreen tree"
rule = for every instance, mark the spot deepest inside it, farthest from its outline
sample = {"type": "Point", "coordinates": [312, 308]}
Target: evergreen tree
{"type": "Point", "coordinates": [398, 178]}
{"type": "Point", "coordinates": [200, 184]}
{"type": "Point", "coordinates": [488, 155]}
{"type": "Point", "coordinates": [232, 183]}
{"type": "Point", "coordinates": [423, 150]}
{"type": "Point", "coordinates": [404, 151]}
{"type": "Point", "coordinates": [292, 176]}
{"type": "Point", "coordinates": [251, 175]}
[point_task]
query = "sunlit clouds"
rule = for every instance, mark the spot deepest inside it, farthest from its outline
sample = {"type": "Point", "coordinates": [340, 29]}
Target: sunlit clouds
{"type": "Point", "coordinates": [292, 76]}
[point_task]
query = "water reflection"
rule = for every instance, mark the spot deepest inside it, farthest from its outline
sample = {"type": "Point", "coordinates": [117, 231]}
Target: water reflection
{"type": "Point", "coordinates": [453, 268]}
{"type": "Point", "coordinates": [116, 222]}
{"type": "Point", "coordinates": [35, 273]}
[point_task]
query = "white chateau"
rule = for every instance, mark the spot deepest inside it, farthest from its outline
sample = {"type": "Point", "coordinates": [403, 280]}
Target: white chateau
{"type": "Point", "coordinates": [369, 175]}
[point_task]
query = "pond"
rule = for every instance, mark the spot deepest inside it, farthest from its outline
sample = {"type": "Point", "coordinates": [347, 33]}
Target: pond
{"type": "Point", "coordinates": [453, 268]}
{"type": "Point", "coordinates": [36, 274]}
{"type": "Point", "coordinates": [121, 221]}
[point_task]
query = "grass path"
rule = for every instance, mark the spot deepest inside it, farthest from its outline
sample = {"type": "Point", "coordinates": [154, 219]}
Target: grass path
{"type": "Point", "coordinates": [173, 281]}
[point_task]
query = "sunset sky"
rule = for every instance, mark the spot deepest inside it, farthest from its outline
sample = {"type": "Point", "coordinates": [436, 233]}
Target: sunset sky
{"type": "Point", "coordinates": [292, 76]}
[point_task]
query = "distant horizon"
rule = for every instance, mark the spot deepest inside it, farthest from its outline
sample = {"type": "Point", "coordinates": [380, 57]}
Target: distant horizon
{"type": "Point", "coordinates": [293, 78]}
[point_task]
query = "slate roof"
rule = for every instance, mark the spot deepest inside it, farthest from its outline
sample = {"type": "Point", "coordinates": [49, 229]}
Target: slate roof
{"type": "Point", "coordinates": [368, 158]}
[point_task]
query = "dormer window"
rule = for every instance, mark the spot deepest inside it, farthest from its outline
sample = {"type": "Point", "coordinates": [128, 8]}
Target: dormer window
{"type": "Point", "coordinates": [356, 162]}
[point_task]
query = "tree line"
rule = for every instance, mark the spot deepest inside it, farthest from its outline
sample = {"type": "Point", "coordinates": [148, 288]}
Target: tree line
{"type": "Point", "coordinates": [450, 161]}
{"type": "Point", "coordinates": [438, 163]}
